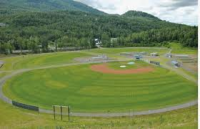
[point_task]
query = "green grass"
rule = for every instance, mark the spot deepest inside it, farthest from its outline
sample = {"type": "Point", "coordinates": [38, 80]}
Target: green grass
{"type": "Point", "coordinates": [38, 60]}
{"type": "Point", "coordinates": [185, 51]}
{"type": "Point", "coordinates": [17, 118]}
{"type": "Point", "coordinates": [88, 91]}
{"type": "Point", "coordinates": [30, 61]}
{"type": "Point", "coordinates": [133, 49]}
{"type": "Point", "coordinates": [178, 49]}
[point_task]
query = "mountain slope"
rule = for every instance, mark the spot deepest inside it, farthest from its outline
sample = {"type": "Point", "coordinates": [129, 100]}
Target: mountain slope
{"type": "Point", "coordinates": [47, 5]}
{"type": "Point", "coordinates": [133, 14]}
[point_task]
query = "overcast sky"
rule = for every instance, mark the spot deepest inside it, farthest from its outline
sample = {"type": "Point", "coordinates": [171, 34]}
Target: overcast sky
{"type": "Point", "coordinates": [179, 11]}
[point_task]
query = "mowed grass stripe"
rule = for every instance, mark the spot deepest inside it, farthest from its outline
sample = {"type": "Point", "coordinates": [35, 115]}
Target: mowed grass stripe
{"type": "Point", "coordinates": [124, 91]}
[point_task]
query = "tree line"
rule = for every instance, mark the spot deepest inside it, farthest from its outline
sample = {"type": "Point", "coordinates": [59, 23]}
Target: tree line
{"type": "Point", "coordinates": [52, 31]}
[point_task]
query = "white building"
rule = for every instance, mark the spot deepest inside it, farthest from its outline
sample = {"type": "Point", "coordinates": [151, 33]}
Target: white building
{"type": "Point", "coordinates": [97, 43]}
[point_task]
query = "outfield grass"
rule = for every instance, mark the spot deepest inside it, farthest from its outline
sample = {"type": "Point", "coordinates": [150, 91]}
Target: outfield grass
{"type": "Point", "coordinates": [88, 91]}
{"type": "Point", "coordinates": [30, 61]}
{"type": "Point", "coordinates": [37, 60]}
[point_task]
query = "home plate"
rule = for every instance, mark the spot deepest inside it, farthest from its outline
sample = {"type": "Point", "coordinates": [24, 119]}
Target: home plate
{"type": "Point", "coordinates": [123, 66]}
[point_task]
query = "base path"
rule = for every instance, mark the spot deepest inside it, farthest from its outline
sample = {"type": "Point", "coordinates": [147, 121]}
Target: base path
{"type": "Point", "coordinates": [118, 114]}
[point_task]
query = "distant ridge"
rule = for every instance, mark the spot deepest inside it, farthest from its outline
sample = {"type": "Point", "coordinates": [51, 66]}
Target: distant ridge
{"type": "Point", "coordinates": [132, 14]}
{"type": "Point", "coordinates": [47, 5]}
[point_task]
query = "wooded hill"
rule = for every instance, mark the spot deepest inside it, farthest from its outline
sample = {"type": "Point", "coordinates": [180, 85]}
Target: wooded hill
{"type": "Point", "coordinates": [46, 6]}
{"type": "Point", "coordinates": [35, 30]}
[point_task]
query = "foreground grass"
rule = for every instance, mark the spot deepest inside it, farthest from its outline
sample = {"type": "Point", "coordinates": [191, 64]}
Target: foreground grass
{"type": "Point", "coordinates": [15, 118]}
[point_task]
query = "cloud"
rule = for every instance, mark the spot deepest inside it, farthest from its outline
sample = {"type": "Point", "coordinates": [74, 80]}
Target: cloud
{"type": "Point", "coordinates": [178, 11]}
{"type": "Point", "coordinates": [175, 4]}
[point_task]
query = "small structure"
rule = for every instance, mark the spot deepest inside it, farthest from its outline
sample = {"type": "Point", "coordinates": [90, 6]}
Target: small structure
{"type": "Point", "coordinates": [169, 55]}
{"type": "Point", "coordinates": [97, 43]}
{"type": "Point", "coordinates": [154, 54]}
{"type": "Point", "coordinates": [155, 63]}
{"type": "Point", "coordinates": [137, 57]}
{"type": "Point", "coordinates": [175, 63]}
{"type": "Point", "coordinates": [113, 41]}
{"type": "Point", "coordinates": [100, 57]}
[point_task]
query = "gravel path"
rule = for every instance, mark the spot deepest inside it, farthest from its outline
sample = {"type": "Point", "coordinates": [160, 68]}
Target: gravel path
{"type": "Point", "coordinates": [119, 114]}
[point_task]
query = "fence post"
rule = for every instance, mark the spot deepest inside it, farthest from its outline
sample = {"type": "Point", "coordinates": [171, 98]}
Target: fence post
{"type": "Point", "coordinates": [61, 112]}
{"type": "Point", "coordinates": [68, 113]}
{"type": "Point", "coordinates": [54, 112]}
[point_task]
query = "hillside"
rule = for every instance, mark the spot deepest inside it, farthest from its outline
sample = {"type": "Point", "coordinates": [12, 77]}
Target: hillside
{"type": "Point", "coordinates": [47, 5]}
{"type": "Point", "coordinates": [38, 24]}
{"type": "Point", "coordinates": [29, 30]}
{"type": "Point", "coordinates": [134, 14]}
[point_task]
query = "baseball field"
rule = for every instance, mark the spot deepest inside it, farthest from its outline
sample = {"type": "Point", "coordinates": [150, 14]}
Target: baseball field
{"type": "Point", "coordinates": [98, 87]}
{"type": "Point", "coordinates": [103, 87]}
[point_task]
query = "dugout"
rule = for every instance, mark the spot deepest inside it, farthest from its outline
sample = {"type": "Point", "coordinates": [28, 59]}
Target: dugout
{"type": "Point", "coordinates": [155, 63]}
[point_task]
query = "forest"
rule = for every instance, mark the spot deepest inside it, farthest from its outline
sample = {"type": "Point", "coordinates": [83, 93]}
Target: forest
{"type": "Point", "coordinates": [62, 30]}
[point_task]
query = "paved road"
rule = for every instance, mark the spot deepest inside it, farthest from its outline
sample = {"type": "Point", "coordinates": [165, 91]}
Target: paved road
{"type": "Point", "coordinates": [119, 114]}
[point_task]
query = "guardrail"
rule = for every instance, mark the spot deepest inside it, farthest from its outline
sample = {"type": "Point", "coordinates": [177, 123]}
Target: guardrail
{"type": "Point", "coordinates": [25, 106]}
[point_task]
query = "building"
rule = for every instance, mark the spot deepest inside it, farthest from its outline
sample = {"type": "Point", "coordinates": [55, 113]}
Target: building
{"type": "Point", "coordinates": [154, 54]}
{"type": "Point", "coordinates": [137, 57]}
{"type": "Point", "coordinates": [175, 63]}
{"type": "Point", "coordinates": [112, 40]}
{"type": "Point", "coordinates": [97, 42]}
{"type": "Point", "coordinates": [169, 55]}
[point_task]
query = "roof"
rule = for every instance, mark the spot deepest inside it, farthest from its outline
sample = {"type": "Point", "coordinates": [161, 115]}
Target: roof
{"type": "Point", "coordinates": [137, 56]}
{"type": "Point", "coordinates": [174, 62]}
